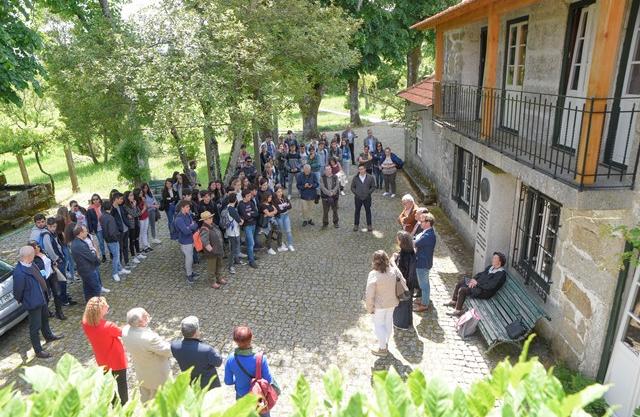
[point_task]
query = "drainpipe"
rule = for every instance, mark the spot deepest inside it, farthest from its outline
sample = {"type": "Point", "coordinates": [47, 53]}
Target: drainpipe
{"type": "Point", "coordinates": [612, 328]}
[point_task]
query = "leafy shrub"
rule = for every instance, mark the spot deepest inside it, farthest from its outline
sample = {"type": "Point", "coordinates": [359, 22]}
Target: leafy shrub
{"type": "Point", "coordinates": [574, 382]}
{"type": "Point", "coordinates": [523, 389]}
{"type": "Point", "coordinates": [133, 156]}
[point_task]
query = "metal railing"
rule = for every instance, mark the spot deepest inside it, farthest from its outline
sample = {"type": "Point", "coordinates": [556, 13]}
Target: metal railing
{"type": "Point", "coordinates": [583, 142]}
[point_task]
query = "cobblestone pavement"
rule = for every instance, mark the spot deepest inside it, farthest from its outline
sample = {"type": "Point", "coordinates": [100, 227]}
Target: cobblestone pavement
{"type": "Point", "coordinates": [305, 308]}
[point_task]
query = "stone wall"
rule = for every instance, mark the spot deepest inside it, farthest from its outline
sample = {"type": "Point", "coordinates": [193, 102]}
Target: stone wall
{"type": "Point", "coordinates": [20, 202]}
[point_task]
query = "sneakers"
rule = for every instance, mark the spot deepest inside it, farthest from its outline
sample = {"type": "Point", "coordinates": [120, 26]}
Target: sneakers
{"type": "Point", "coordinates": [116, 278]}
{"type": "Point", "coordinates": [393, 195]}
{"type": "Point", "coordinates": [136, 260]}
{"type": "Point", "coordinates": [253, 265]}
{"type": "Point", "coordinates": [271, 252]}
{"type": "Point", "coordinates": [291, 249]}
{"type": "Point", "coordinates": [342, 193]}
{"type": "Point", "coordinates": [385, 194]}
{"type": "Point", "coordinates": [156, 241]}
{"type": "Point", "coordinates": [141, 256]}
{"type": "Point", "coordinates": [243, 255]}
{"type": "Point", "coordinates": [311, 222]}
{"type": "Point", "coordinates": [355, 228]}
{"type": "Point", "coordinates": [304, 223]}
{"type": "Point", "coordinates": [105, 290]}
{"type": "Point", "coordinates": [369, 228]}
{"type": "Point", "coordinates": [232, 270]}
{"type": "Point", "coordinates": [380, 352]}
{"type": "Point", "coordinates": [283, 248]}
{"type": "Point", "coordinates": [191, 279]}
{"type": "Point", "coordinates": [125, 271]}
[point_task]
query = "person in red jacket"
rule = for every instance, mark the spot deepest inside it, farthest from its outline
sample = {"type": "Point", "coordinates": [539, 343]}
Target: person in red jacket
{"type": "Point", "coordinates": [104, 337]}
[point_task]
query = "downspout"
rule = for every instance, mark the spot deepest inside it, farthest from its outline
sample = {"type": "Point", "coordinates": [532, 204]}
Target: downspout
{"type": "Point", "coordinates": [612, 327]}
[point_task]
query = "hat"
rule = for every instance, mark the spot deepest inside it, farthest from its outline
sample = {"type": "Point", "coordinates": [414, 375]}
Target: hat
{"type": "Point", "coordinates": [205, 215]}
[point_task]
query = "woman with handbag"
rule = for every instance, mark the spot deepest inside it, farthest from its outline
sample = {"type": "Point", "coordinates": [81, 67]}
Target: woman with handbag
{"type": "Point", "coordinates": [381, 298]}
{"type": "Point", "coordinates": [154, 213]}
{"type": "Point", "coordinates": [268, 224]}
{"type": "Point", "coordinates": [405, 261]}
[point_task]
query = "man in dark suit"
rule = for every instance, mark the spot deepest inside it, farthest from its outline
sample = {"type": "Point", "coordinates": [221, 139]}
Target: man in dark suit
{"type": "Point", "coordinates": [362, 186]}
{"type": "Point", "coordinates": [87, 263]}
{"type": "Point", "coordinates": [30, 290]}
{"type": "Point", "coordinates": [191, 352]}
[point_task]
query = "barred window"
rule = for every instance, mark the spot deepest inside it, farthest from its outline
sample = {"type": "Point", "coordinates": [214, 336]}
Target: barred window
{"type": "Point", "coordinates": [418, 135]}
{"type": "Point", "coordinates": [536, 237]}
{"type": "Point", "coordinates": [467, 171]}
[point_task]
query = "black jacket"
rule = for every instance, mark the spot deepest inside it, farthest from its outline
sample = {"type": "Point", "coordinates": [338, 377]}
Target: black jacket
{"type": "Point", "coordinates": [116, 212]}
{"type": "Point", "coordinates": [92, 220]}
{"type": "Point", "coordinates": [86, 260]}
{"type": "Point", "coordinates": [202, 357]}
{"type": "Point", "coordinates": [488, 284]}
{"type": "Point", "coordinates": [110, 228]}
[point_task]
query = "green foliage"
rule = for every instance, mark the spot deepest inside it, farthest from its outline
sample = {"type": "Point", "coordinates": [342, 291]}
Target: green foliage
{"type": "Point", "coordinates": [574, 382]}
{"type": "Point", "coordinates": [632, 236]}
{"type": "Point", "coordinates": [133, 157]}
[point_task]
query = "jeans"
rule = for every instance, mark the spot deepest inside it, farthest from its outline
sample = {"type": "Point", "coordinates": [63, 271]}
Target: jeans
{"type": "Point", "coordinates": [64, 295]}
{"type": "Point", "coordinates": [284, 222]}
{"type": "Point", "coordinates": [367, 210]}
{"type": "Point", "coordinates": [282, 177]}
{"type": "Point", "coordinates": [377, 173]}
{"type": "Point", "coordinates": [114, 248]}
{"type": "Point", "coordinates": [134, 243]}
{"type": "Point", "coordinates": [100, 237]}
{"type": "Point", "coordinates": [39, 322]}
{"type": "Point", "coordinates": [234, 252]}
{"type": "Point", "coordinates": [121, 381]}
{"type": "Point", "coordinates": [390, 183]}
{"type": "Point", "coordinates": [353, 155]}
{"type": "Point", "coordinates": [187, 251]}
{"type": "Point", "coordinates": [292, 179]}
{"type": "Point", "coordinates": [317, 175]}
{"type": "Point", "coordinates": [124, 246]}
{"type": "Point", "coordinates": [91, 285]}
{"type": "Point", "coordinates": [69, 265]}
{"type": "Point", "coordinates": [383, 326]}
{"type": "Point", "coordinates": [144, 233]}
{"type": "Point", "coordinates": [346, 167]}
{"type": "Point", "coordinates": [171, 211]}
{"type": "Point", "coordinates": [249, 231]}
{"type": "Point", "coordinates": [54, 288]}
{"type": "Point", "coordinates": [423, 281]}
{"type": "Point", "coordinates": [153, 214]}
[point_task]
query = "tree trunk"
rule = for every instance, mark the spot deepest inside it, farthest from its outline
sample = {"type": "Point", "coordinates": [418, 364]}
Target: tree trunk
{"type": "Point", "coordinates": [183, 156]}
{"type": "Point", "coordinates": [237, 139]}
{"type": "Point", "coordinates": [255, 134]}
{"type": "Point", "coordinates": [23, 169]}
{"type": "Point", "coordinates": [211, 148]}
{"type": "Point", "coordinates": [37, 155]}
{"type": "Point", "coordinates": [92, 152]}
{"type": "Point", "coordinates": [414, 57]}
{"type": "Point", "coordinates": [354, 102]}
{"type": "Point", "coordinates": [365, 94]}
{"type": "Point", "coordinates": [309, 106]}
{"type": "Point", "coordinates": [105, 143]}
{"type": "Point", "coordinates": [106, 12]}
{"type": "Point", "coordinates": [71, 167]}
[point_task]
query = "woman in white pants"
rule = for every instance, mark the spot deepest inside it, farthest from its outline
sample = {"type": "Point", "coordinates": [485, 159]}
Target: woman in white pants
{"type": "Point", "coordinates": [144, 220]}
{"type": "Point", "coordinates": [381, 299]}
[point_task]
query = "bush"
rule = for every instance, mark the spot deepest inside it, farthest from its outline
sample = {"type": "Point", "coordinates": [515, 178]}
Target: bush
{"type": "Point", "coordinates": [574, 382]}
{"type": "Point", "coordinates": [133, 157]}
{"type": "Point", "coordinates": [523, 389]}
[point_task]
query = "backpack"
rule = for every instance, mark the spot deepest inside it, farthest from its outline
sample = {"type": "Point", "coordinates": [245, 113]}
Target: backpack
{"type": "Point", "coordinates": [197, 241]}
{"type": "Point", "coordinates": [467, 323]}
{"type": "Point", "coordinates": [225, 219]}
{"type": "Point", "coordinates": [266, 392]}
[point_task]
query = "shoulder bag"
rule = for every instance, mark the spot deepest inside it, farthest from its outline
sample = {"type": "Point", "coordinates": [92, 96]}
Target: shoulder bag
{"type": "Point", "coordinates": [266, 392]}
{"type": "Point", "coordinates": [402, 291]}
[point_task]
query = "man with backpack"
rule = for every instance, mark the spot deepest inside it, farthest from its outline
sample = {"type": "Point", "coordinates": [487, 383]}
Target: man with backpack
{"type": "Point", "coordinates": [212, 248]}
{"type": "Point", "coordinates": [185, 226]}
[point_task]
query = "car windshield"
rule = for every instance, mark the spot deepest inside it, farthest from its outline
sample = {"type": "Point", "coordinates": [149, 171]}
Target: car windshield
{"type": "Point", "coordinates": [5, 271]}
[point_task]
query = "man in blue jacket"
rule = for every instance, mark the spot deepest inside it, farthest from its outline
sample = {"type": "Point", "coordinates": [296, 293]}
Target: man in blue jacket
{"type": "Point", "coordinates": [191, 352]}
{"type": "Point", "coordinates": [185, 227]}
{"type": "Point", "coordinates": [307, 184]}
{"type": "Point", "coordinates": [29, 289]}
{"type": "Point", "coordinates": [425, 244]}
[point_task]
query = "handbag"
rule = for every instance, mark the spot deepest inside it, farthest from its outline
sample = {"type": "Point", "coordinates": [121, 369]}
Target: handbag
{"type": "Point", "coordinates": [516, 329]}
{"type": "Point", "coordinates": [402, 292]}
{"type": "Point", "coordinates": [59, 275]}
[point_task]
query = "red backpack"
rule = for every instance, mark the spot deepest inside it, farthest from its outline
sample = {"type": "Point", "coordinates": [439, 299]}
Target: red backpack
{"type": "Point", "coordinates": [261, 388]}
{"type": "Point", "coordinates": [197, 241]}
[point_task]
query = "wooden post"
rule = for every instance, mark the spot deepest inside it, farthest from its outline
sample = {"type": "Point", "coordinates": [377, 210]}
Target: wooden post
{"type": "Point", "coordinates": [609, 30]}
{"type": "Point", "coordinates": [437, 90]}
{"type": "Point", "coordinates": [23, 169]}
{"type": "Point", "coordinates": [490, 72]}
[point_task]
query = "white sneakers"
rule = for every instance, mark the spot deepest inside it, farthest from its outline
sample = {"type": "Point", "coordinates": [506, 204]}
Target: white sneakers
{"type": "Point", "coordinates": [116, 278]}
{"type": "Point", "coordinates": [141, 256]}
{"type": "Point", "coordinates": [283, 248]}
{"type": "Point", "coordinates": [385, 194]}
{"type": "Point", "coordinates": [124, 271]}
{"type": "Point", "coordinates": [342, 193]}
{"type": "Point", "coordinates": [291, 248]}
{"type": "Point", "coordinates": [393, 195]}
{"type": "Point", "coordinates": [156, 241]}
{"type": "Point", "coordinates": [136, 260]}
{"type": "Point", "coordinates": [105, 290]}
{"type": "Point", "coordinates": [271, 252]}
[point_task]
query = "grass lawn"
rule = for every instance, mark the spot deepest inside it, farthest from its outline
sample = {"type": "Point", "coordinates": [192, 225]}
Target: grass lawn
{"type": "Point", "coordinates": [338, 103]}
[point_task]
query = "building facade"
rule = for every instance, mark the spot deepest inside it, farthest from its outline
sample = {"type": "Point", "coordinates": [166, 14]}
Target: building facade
{"type": "Point", "coordinates": [531, 142]}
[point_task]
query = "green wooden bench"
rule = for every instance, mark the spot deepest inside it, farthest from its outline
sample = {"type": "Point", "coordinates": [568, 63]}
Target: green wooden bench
{"type": "Point", "coordinates": [510, 303]}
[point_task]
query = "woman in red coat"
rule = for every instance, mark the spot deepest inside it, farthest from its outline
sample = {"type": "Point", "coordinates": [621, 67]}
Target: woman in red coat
{"type": "Point", "coordinates": [104, 337]}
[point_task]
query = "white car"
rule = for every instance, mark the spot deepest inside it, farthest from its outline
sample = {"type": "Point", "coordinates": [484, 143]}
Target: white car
{"type": "Point", "coordinates": [11, 313]}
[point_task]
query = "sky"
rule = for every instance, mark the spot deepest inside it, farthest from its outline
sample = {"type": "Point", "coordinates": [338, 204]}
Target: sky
{"type": "Point", "coordinates": [134, 6]}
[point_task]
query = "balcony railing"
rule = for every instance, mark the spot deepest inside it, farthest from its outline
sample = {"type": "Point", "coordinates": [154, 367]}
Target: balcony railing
{"type": "Point", "coordinates": [583, 142]}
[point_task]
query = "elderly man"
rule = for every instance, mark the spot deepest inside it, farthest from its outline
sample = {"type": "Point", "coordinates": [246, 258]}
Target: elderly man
{"type": "Point", "coordinates": [87, 263]}
{"type": "Point", "coordinates": [30, 290]}
{"type": "Point", "coordinates": [370, 141]}
{"type": "Point", "coordinates": [149, 352]}
{"type": "Point", "coordinates": [329, 191]}
{"type": "Point", "coordinates": [191, 352]}
{"type": "Point", "coordinates": [307, 184]}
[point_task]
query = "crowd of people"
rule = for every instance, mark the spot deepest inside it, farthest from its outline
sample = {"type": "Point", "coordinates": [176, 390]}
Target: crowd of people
{"type": "Point", "coordinates": [252, 212]}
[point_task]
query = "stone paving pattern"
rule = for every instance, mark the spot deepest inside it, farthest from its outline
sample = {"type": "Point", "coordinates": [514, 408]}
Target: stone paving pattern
{"type": "Point", "coordinates": [305, 308]}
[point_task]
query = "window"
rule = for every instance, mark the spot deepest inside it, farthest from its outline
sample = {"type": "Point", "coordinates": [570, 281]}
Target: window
{"type": "Point", "coordinates": [536, 236]}
{"type": "Point", "coordinates": [467, 170]}
{"type": "Point", "coordinates": [418, 135]}
{"type": "Point", "coordinates": [516, 53]}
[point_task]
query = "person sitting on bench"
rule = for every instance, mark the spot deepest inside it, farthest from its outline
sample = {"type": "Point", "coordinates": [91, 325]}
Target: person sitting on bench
{"type": "Point", "coordinates": [483, 285]}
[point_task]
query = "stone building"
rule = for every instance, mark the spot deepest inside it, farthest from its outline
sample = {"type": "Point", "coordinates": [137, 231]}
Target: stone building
{"type": "Point", "coordinates": [528, 132]}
